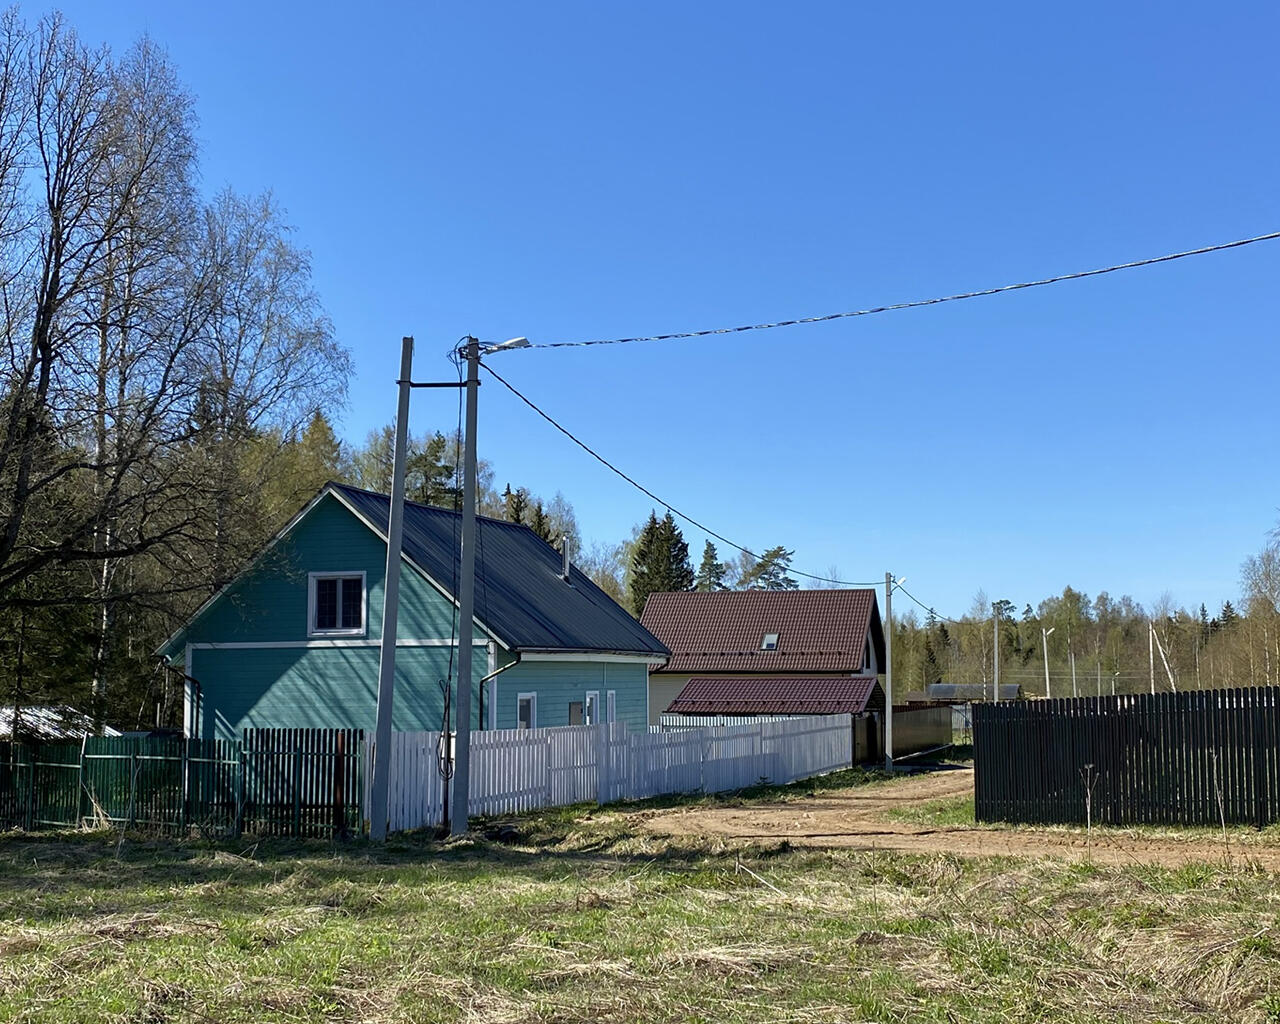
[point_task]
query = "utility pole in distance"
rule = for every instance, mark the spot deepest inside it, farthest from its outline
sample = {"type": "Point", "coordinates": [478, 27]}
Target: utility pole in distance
{"type": "Point", "coordinates": [390, 608]}
{"type": "Point", "coordinates": [995, 652]}
{"type": "Point", "coordinates": [466, 599]}
{"type": "Point", "coordinates": [888, 671]}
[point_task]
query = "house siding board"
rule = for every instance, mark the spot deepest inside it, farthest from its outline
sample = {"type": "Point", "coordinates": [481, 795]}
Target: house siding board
{"type": "Point", "coordinates": [559, 682]}
{"type": "Point", "coordinates": [268, 604]}
{"type": "Point", "coordinates": [310, 688]}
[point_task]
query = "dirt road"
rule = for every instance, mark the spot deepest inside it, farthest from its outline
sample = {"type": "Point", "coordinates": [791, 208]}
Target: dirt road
{"type": "Point", "coordinates": [860, 818]}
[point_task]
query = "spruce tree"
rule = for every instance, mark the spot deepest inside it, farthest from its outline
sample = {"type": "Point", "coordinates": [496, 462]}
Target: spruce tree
{"type": "Point", "coordinates": [539, 523]}
{"type": "Point", "coordinates": [711, 572]}
{"type": "Point", "coordinates": [642, 562]}
{"type": "Point", "coordinates": [661, 561]}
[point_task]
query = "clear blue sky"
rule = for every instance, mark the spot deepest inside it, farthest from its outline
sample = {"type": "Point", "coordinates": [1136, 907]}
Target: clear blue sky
{"type": "Point", "coordinates": [577, 170]}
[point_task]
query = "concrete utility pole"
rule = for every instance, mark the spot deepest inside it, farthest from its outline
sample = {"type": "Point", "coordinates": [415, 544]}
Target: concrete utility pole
{"type": "Point", "coordinates": [995, 652]}
{"type": "Point", "coordinates": [888, 671]}
{"type": "Point", "coordinates": [1044, 647]}
{"type": "Point", "coordinates": [466, 599]}
{"type": "Point", "coordinates": [390, 608]}
{"type": "Point", "coordinates": [1151, 655]}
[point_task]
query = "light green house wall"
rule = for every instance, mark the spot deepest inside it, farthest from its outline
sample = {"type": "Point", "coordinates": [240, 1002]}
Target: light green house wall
{"type": "Point", "coordinates": [557, 683]}
{"type": "Point", "coordinates": [257, 667]}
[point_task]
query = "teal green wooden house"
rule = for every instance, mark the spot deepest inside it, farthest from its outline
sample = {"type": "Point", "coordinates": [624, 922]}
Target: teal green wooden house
{"type": "Point", "coordinates": [293, 642]}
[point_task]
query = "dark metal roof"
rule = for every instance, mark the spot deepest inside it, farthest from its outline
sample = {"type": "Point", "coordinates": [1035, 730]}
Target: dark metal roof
{"type": "Point", "coordinates": [521, 596]}
{"type": "Point", "coordinates": [795, 696]}
{"type": "Point", "coordinates": [721, 631]}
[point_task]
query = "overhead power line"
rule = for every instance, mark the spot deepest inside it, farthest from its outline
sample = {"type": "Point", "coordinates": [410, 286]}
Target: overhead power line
{"type": "Point", "coordinates": [644, 490]}
{"type": "Point", "coordinates": [909, 305]}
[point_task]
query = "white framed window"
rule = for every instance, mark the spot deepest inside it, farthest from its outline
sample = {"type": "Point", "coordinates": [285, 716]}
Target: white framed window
{"type": "Point", "coordinates": [769, 642]}
{"type": "Point", "coordinates": [593, 707]}
{"type": "Point", "coordinates": [527, 711]}
{"type": "Point", "coordinates": [611, 706]}
{"type": "Point", "coordinates": [337, 604]}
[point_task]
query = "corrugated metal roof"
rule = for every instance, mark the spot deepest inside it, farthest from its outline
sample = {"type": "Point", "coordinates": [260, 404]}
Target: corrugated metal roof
{"type": "Point", "coordinates": [50, 722]}
{"type": "Point", "coordinates": [795, 696]}
{"type": "Point", "coordinates": [520, 593]}
{"type": "Point", "coordinates": [721, 631]}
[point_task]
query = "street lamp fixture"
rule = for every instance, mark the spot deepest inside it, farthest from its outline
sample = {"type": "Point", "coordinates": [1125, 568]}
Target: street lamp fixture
{"type": "Point", "coordinates": [1044, 647]}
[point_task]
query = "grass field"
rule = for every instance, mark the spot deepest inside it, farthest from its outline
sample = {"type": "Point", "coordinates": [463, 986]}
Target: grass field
{"type": "Point", "coordinates": [572, 917]}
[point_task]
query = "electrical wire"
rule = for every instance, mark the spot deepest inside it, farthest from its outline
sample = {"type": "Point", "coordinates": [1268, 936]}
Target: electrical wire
{"type": "Point", "coordinates": [943, 618]}
{"type": "Point", "coordinates": [644, 490]}
{"type": "Point", "coordinates": [1079, 275]}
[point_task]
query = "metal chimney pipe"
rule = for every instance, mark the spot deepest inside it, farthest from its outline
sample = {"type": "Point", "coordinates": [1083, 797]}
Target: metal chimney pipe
{"type": "Point", "coordinates": [564, 547]}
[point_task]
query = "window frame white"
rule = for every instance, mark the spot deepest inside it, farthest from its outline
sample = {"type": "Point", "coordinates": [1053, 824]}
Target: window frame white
{"type": "Point", "coordinates": [611, 706]}
{"type": "Point", "coordinates": [591, 708]}
{"type": "Point", "coordinates": [313, 578]}
{"type": "Point", "coordinates": [532, 698]}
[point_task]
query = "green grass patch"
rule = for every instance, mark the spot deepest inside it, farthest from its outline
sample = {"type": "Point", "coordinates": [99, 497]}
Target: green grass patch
{"type": "Point", "coordinates": [569, 916]}
{"type": "Point", "coordinates": [937, 813]}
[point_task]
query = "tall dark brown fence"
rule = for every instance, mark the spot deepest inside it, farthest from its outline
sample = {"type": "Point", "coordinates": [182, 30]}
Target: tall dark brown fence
{"type": "Point", "coordinates": [1195, 758]}
{"type": "Point", "coordinates": [298, 782]}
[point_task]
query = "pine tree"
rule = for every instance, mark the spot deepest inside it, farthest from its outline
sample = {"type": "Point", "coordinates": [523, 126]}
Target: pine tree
{"type": "Point", "coordinates": [770, 572]}
{"type": "Point", "coordinates": [711, 572]}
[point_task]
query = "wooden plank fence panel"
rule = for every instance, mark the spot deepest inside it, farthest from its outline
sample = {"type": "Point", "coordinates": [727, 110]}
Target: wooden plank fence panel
{"type": "Point", "coordinates": [1190, 758]}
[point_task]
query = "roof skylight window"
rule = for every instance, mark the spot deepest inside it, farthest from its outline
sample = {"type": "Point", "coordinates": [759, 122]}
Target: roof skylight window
{"type": "Point", "coordinates": [770, 642]}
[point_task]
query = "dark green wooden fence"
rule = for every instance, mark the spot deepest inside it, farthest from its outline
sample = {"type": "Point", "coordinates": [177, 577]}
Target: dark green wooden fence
{"type": "Point", "coordinates": [297, 782]}
{"type": "Point", "coordinates": [1195, 758]}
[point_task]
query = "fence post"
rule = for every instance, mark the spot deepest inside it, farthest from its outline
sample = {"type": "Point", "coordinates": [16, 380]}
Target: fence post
{"type": "Point", "coordinates": [80, 783]}
{"type": "Point", "coordinates": [339, 785]}
{"type": "Point", "coordinates": [602, 763]}
{"type": "Point", "coordinates": [238, 827]}
{"type": "Point", "coordinates": [31, 788]}
{"type": "Point", "coordinates": [297, 789]}
{"type": "Point", "coordinates": [186, 786]}
{"type": "Point", "coordinates": [133, 788]}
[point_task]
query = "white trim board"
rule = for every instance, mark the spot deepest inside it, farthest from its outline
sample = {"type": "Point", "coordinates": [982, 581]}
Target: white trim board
{"type": "Point", "coordinates": [637, 659]}
{"type": "Point", "coordinates": [254, 645]}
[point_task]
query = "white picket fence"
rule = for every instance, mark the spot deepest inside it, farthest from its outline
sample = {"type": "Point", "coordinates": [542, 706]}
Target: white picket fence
{"type": "Point", "coordinates": [515, 770]}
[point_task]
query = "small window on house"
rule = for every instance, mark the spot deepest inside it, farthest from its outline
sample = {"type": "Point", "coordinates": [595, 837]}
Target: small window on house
{"type": "Point", "coordinates": [611, 706]}
{"type": "Point", "coordinates": [527, 711]}
{"type": "Point", "coordinates": [593, 707]}
{"type": "Point", "coordinates": [337, 603]}
{"type": "Point", "coordinates": [770, 642]}
{"type": "Point", "coordinates": [575, 712]}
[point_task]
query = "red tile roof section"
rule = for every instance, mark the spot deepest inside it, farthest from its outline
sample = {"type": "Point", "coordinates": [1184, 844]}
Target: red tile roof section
{"type": "Point", "coordinates": [720, 632]}
{"type": "Point", "coordinates": [798, 696]}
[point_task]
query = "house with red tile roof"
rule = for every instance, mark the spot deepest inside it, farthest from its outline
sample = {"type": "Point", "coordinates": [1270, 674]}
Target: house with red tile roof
{"type": "Point", "coordinates": [774, 652]}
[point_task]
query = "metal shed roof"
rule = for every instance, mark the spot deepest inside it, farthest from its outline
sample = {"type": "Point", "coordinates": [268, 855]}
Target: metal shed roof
{"type": "Point", "coordinates": [521, 596]}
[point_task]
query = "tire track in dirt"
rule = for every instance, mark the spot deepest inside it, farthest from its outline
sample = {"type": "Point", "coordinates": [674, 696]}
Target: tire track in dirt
{"type": "Point", "coordinates": [860, 818]}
